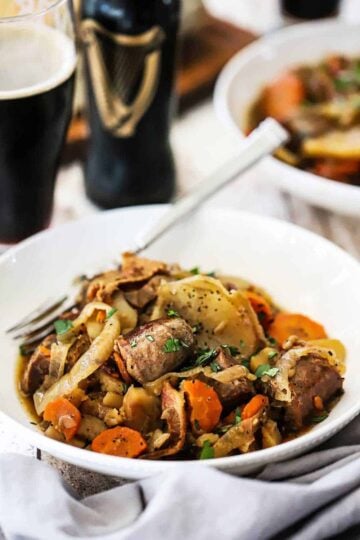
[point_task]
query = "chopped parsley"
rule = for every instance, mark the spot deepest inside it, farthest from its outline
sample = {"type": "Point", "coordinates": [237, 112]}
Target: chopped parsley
{"type": "Point", "coordinates": [215, 366]}
{"type": "Point", "coordinates": [150, 338]}
{"type": "Point", "coordinates": [172, 313]}
{"type": "Point", "coordinates": [62, 326]}
{"type": "Point", "coordinates": [207, 451]}
{"type": "Point", "coordinates": [211, 274]}
{"type": "Point", "coordinates": [232, 350]}
{"type": "Point", "coordinates": [206, 356]}
{"type": "Point", "coordinates": [196, 424]}
{"type": "Point", "coordinates": [266, 369]}
{"type": "Point", "coordinates": [172, 345]}
{"type": "Point", "coordinates": [246, 363]}
{"type": "Point", "coordinates": [320, 417]}
{"type": "Point", "coordinates": [237, 416]}
{"type": "Point", "coordinates": [195, 271]}
{"type": "Point", "coordinates": [241, 343]}
{"type": "Point", "coordinates": [111, 313]}
{"type": "Point", "coordinates": [272, 341]}
{"type": "Point", "coordinates": [133, 343]}
{"type": "Point", "coordinates": [272, 354]}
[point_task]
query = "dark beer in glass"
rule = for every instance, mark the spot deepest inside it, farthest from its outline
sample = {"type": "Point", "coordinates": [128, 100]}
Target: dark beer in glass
{"type": "Point", "coordinates": [37, 64]}
{"type": "Point", "coordinates": [129, 49]}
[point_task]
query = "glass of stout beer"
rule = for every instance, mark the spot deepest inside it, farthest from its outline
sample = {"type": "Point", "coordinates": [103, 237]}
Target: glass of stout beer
{"type": "Point", "coordinates": [37, 65]}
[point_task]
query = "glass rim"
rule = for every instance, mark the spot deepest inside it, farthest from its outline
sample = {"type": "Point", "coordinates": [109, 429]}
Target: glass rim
{"type": "Point", "coordinates": [33, 14]}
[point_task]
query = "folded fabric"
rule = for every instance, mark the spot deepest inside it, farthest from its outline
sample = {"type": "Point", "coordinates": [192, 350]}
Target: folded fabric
{"type": "Point", "coordinates": [312, 497]}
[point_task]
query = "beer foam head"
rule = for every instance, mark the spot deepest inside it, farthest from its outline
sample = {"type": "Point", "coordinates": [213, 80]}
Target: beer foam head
{"type": "Point", "coordinates": [33, 59]}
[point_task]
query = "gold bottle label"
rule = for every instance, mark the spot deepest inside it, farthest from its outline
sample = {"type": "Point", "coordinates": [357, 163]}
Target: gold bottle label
{"type": "Point", "coordinates": [124, 72]}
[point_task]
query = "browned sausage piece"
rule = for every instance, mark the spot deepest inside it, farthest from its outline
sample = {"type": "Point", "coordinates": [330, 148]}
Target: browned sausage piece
{"type": "Point", "coordinates": [313, 377]}
{"type": "Point", "coordinates": [37, 367]}
{"type": "Point", "coordinates": [156, 348]}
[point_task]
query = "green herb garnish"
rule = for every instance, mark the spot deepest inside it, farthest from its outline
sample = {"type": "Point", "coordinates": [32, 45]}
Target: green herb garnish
{"type": "Point", "coordinates": [172, 313]}
{"type": "Point", "coordinates": [172, 345]}
{"type": "Point", "coordinates": [272, 355]}
{"type": "Point", "coordinates": [266, 369]}
{"type": "Point", "coordinates": [215, 366]}
{"type": "Point", "coordinates": [133, 343]}
{"type": "Point", "coordinates": [241, 343]}
{"type": "Point", "coordinates": [319, 417]}
{"type": "Point", "coordinates": [272, 341]}
{"type": "Point", "coordinates": [246, 363]}
{"type": "Point", "coordinates": [62, 326]}
{"type": "Point", "coordinates": [207, 451]}
{"type": "Point", "coordinates": [150, 338]}
{"type": "Point", "coordinates": [237, 416]}
{"type": "Point", "coordinates": [196, 424]}
{"type": "Point", "coordinates": [205, 357]}
{"type": "Point", "coordinates": [232, 350]}
{"type": "Point", "coordinates": [211, 274]}
{"type": "Point", "coordinates": [111, 313]}
{"type": "Point", "coordinates": [195, 271]}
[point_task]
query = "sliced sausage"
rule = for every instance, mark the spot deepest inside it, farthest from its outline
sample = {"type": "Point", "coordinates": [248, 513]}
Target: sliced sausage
{"type": "Point", "coordinates": [313, 377]}
{"type": "Point", "coordinates": [37, 367]}
{"type": "Point", "coordinates": [156, 348]}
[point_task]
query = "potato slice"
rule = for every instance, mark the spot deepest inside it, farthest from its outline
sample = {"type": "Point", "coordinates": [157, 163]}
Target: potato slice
{"type": "Point", "coordinates": [222, 317]}
{"type": "Point", "coordinates": [336, 144]}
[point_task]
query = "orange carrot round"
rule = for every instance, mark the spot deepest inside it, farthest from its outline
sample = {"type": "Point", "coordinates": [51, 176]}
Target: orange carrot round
{"type": "Point", "coordinates": [283, 96]}
{"type": "Point", "coordinates": [122, 368]}
{"type": "Point", "coordinates": [261, 307]}
{"type": "Point", "coordinates": [64, 416]}
{"type": "Point", "coordinates": [289, 324]}
{"type": "Point", "coordinates": [204, 405]}
{"type": "Point", "coordinates": [119, 441]}
{"type": "Point", "coordinates": [254, 406]}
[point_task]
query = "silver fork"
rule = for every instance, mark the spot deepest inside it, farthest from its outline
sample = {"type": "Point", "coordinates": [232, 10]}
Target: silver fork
{"type": "Point", "coordinates": [261, 142]}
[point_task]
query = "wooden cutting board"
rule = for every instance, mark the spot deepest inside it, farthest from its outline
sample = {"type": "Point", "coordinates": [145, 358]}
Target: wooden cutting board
{"type": "Point", "coordinates": [203, 53]}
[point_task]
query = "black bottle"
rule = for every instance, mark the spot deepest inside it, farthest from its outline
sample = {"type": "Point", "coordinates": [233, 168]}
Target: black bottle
{"type": "Point", "coordinates": [310, 9]}
{"type": "Point", "coordinates": [129, 50]}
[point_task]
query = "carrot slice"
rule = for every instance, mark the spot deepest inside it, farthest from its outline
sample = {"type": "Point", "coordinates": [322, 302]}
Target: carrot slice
{"type": "Point", "coordinates": [261, 307]}
{"type": "Point", "coordinates": [204, 404]}
{"type": "Point", "coordinates": [122, 368]}
{"type": "Point", "coordinates": [289, 324]}
{"type": "Point", "coordinates": [100, 316]}
{"type": "Point", "coordinates": [64, 416]}
{"type": "Point", "coordinates": [283, 96]}
{"type": "Point", "coordinates": [119, 441]}
{"type": "Point", "coordinates": [336, 169]}
{"type": "Point", "coordinates": [254, 406]}
{"type": "Point", "coordinates": [44, 351]}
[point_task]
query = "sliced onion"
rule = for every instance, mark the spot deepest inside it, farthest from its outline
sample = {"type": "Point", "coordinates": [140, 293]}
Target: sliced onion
{"type": "Point", "coordinates": [59, 352]}
{"type": "Point", "coordinates": [88, 363]}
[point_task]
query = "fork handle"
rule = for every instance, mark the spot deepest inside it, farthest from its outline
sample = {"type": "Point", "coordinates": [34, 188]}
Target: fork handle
{"type": "Point", "coordinates": [261, 142]}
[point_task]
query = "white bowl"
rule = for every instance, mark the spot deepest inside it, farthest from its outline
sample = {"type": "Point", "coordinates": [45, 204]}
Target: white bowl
{"type": "Point", "coordinates": [247, 73]}
{"type": "Point", "coordinates": [302, 271]}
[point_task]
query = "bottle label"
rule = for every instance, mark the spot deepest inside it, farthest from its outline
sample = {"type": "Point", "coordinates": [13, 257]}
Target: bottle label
{"type": "Point", "coordinates": [124, 72]}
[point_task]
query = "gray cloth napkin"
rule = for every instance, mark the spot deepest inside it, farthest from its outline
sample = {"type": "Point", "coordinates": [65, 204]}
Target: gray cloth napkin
{"type": "Point", "coordinates": [312, 497]}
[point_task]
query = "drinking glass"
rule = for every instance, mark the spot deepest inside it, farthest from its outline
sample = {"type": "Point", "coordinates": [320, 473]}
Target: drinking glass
{"type": "Point", "coordinates": [37, 67]}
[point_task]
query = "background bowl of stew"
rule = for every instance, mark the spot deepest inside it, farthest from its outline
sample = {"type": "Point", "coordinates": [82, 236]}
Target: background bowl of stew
{"type": "Point", "coordinates": [303, 272]}
{"type": "Point", "coordinates": [244, 77]}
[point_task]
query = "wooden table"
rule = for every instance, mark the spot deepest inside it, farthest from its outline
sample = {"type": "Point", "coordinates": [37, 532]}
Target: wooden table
{"type": "Point", "coordinates": [201, 144]}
